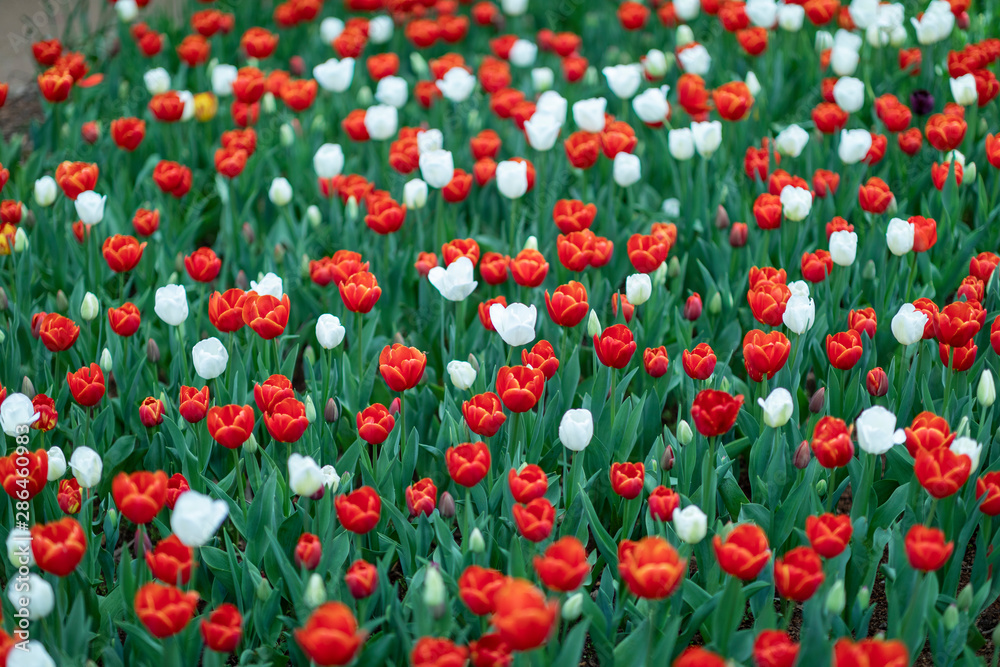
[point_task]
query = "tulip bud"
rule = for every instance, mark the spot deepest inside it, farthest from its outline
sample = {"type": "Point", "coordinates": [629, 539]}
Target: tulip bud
{"type": "Point", "coordinates": [836, 598]}
{"type": "Point", "coordinates": [950, 618]}
{"type": "Point", "coordinates": [248, 234]}
{"type": "Point", "coordinates": [573, 607]}
{"type": "Point", "coordinates": [638, 288]}
{"type": "Point", "coordinates": [279, 253]}
{"type": "Point", "coordinates": [395, 406]}
{"type": "Point", "coordinates": [3, 336]}
{"type": "Point", "coordinates": [473, 362]}
{"type": "Point", "coordinates": [309, 355]}
{"type": "Point", "coordinates": [690, 524]}
{"type": "Point", "coordinates": [250, 446]}
{"type": "Point", "coordinates": [864, 598]}
{"type": "Point", "coordinates": [286, 135]}
{"type": "Point", "coordinates": [965, 596]}
{"type": "Point", "coordinates": [20, 240]}
{"type": "Point", "coordinates": [738, 235]}
{"type": "Point", "coordinates": [817, 400]}
{"type": "Point", "coordinates": [969, 174]}
{"type": "Point", "coordinates": [418, 64]}
{"type": "Point", "coordinates": [684, 35]}
{"type": "Point", "coordinates": [667, 460]}
{"type": "Point", "coordinates": [27, 387]}
{"type": "Point", "coordinates": [803, 454]}
{"type": "Point", "coordinates": [477, 544]}
{"type": "Point", "coordinates": [715, 304]}
{"type": "Point", "coordinates": [724, 385]}
{"type": "Point", "coordinates": [313, 215]}
{"type": "Point", "coordinates": [310, 409]}
{"type": "Point", "coordinates": [593, 324]}
{"type": "Point", "coordinates": [331, 412]}
{"type": "Point", "coordinates": [3, 300]}
{"type": "Point", "coordinates": [659, 276]}
{"type": "Point", "coordinates": [821, 488]}
{"type": "Point", "coordinates": [684, 433]}
{"type": "Point", "coordinates": [869, 272]}
{"type": "Point", "coordinates": [531, 243]}
{"type": "Point", "coordinates": [106, 362]}
{"type": "Point", "coordinates": [877, 382]}
{"type": "Point", "coordinates": [62, 303]}
{"type": "Point", "coordinates": [152, 351]}
{"type": "Point", "coordinates": [435, 593]}
{"type": "Point", "coordinates": [986, 392]}
{"type": "Point", "coordinates": [446, 505]}
{"type": "Point", "coordinates": [692, 307]}
{"type": "Point", "coordinates": [674, 267]}
{"type": "Point", "coordinates": [241, 279]}
{"type": "Point", "coordinates": [90, 307]}
{"type": "Point", "coordinates": [315, 594]}
{"type": "Point", "coordinates": [351, 208]}
{"type": "Point", "coordinates": [365, 96]}
{"type": "Point", "coordinates": [721, 217]}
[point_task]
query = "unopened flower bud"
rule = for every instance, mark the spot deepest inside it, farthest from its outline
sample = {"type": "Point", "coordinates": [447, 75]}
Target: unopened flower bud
{"type": "Point", "coordinates": [674, 267]}
{"type": "Point", "coordinates": [715, 304]}
{"type": "Point", "coordinates": [435, 593]}
{"type": "Point", "coordinates": [267, 103]}
{"type": "Point", "coordinates": [738, 235]}
{"type": "Point", "coordinates": [398, 339]}
{"type": "Point", "coordinates": [242, 281]}
{"type": "Point", "coordinates": [969, 174]}
{"type": "Point", "coordinates": [659, 276]}
{"type": "Point", "coordinates": [264, 590]}
{"type": "Point", "coordinates": [20, 240]}
{"type": "Point", "coordinates": [152, 351]}
{"type": "Point", "coordinates": [531, 243]}
{"type": "Point", "coordinates": [62, 303]}
{"type": "Point", "coordinates": [446, 505]}
{"type": "Point", "coordinates": [309, 354]}
{"type": "Point", "coordinates": [27, 387]}
{"type": "Point", "coordinates": [821, 488]}
{"type": "Point", "coordinates": [248, 233]}
{"type": "Point", "coordinates": [351, 208]}
{"type": "Point", "coordinates": [864, 598]}
{"type": "Point", "coordinates": [331, 412]}
{"type": "Point", "coordinates": [3, 300]}
{"type": "Point", "coordinates": [836, 598]}
{"type": "Point", "coordinates": [250, 446]}
{"type": "Point", "coordinates": [684, 433]}
{"type": "Point", "coordinates": [395, 406]}
{"type": "Point", "coordinates": [667, 460]}
{"type": "Point", "coordinates": [965, 596]}
{"type": "Point", "coordinates": [721, 217]}
{"type": "Point", "coordinates": [877, 382]}
{"type": "Point", "coordinates": [817, 400]}
{"type": "Point", "coordinates": [477, 544]}
{"type": "Point", "coordinates": [474, 362]}
{"type": "Point", "coordinates": [573, 607]}
{"type": "Point", "coordinates": [692, 307]}
{"type": "Point", "coordinates": [313, 215]}
{"type": "Point", "coordinates": [802, 455]}
{"type": "Point", "coordinates": [986, 392]}
{"type": "Point", "coordinates": [315, 594]}
{"type": "Point", "coordinates": [90, 307]}
{"type": "Point", "coordinates": [950, 618]}
{"type": "Point", "coordinates": [310, 409]}
{"type": "Point", "coordinates": [724, 384]}
{"type": "Point", "coordinates": [869, 272]}
{"type": "Point", "coordinates": [106, 362]}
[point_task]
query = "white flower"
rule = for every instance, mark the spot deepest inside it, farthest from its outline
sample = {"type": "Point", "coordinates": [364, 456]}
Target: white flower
{"type": "Point", "coordinates": [522, 53]}
{"type": "Point", "coordinates": [512, 178]}
{"type": "Point", "coordinates": [707, 137]}
{"type": "Point", "coordinates": [680, 143]}
{"type": "Point", "coordinates": [638, 288]}
{"type": "Point", "coordinates": [968, 447]}
{"type": "Point", "coordinates": [753, 84]}
{"type": "Point", "coordinates": [197, 517]}
{"type": "Point", "coordinates": [157, 81]}
{"type": "Point", "coordinates": [33, 655]}
{"type": "Point", "coordinates": [515, 323]}
{"type": "Point", "coordinates": [576, 428]}
{"type": "Point", "coordinates": [854, 145]}
{"type": "Point", "coordinates": [381, 121]}
{"type": "Point", "coordinates": [800, 313]}
{"type": "Point", "coordinates": [844, 60]}
{"type": "Point", "coordinates": [791, 140]}
{"type": "Point", "coordinates": [36, 592]}
{"type": "Point", "coordinates": [908, 324]}
{"type": "Point", "coordinates": [936, 23]}
{"type": "Point", "coordinates": [863, 12]}
{"type": "Point", "coordinates": [19, 547]}
{"type": "Point", "coordinates": [542, 131]}
{"type": "Point", "coordinates": [849, 94]}
{"type": "Point", "coordinates": [877, 433]}
{"type": "Point", "coordinates": [695, 59]}
{"type": "Point", "coordinates": [790, 17]}
{"type": "Point", "coordinates": [963, 89]}
{"type": "Point", "coordinates": [588, 114]}
{"type": "Point", "coordinates": [222, 79]}
{"type": "Point", "coordinates": [171, 304]}
{"type": "Point", "coordinates": [57, 463]}
{"type": "Point", "coordinates": [795, 202]}
{"type": "Point", "coordinates": [455, 283]}
{"type": "Point", "coordinates": [690, 524]}
{"type": "Point", "coordinates": [17, 413]}
{"type": "Point", "coordinates": [542, 78]}
{"type": "Point", "coordinates": [331, 27]}
{"type": "Point", "coordinates": [437, 168]}
{"type": "Point", "coordinates": [380, 29]}
{"type": "Point", "coordinates": [315, 593]}
{"type": "Point", "coordinates": [655, 63]}
{"type": "Point", "coordinates": [331, 480]}
{"type": "Point", "coordinates": [687, 9]}
{"type": "Point", "coordinates": [429, 140]}
{"type": "Point", "coordinates": [553, 104]}
{"type": "Point", "coordinates": [304, 476]}
{"type": "Point", "coordinates": [45, 191]}
{"type": "Point", "coordinates": [87, 466]}
{"type": "Point", "coordinates": [269, 284]}
{"type": "Point", "coordinates": [624, 80]}
{"type": "Point", "coordinates": [671, 208]}
{"type": "Point", "coordinates": [986, 390]}
{"type": "Point", "coordinates": [593, 323]}
{"type": "Point", "coordinates": [798, 287]}
{"type": "Point", "coordinates": [457, 84]}
{"type": "Point", "coordinates": [762, 13]}
{"type": "Point", "coordinates": [777, 408]}
{"type": "Point", "coordinates": [334, 75]}
{"type": "Point", "coordinates": [415, 193]}
{"type": "Point", "coordinates": [280, 192]}
{"type": "Point", "coordinates": [210, 358]}
{"type": "Point", "coordinates": [434, 592]}
{"type": "Point", "coordinates": [328, 160]}
{"type": "Point", "coordinates": [127, 10]}
{"type": "Point", "coordinates": [626, 169]}
{"type": "Point", "coordinates": [899, 236]}
{"type": "Point", "coordinates": [651, 106]}
{"type": "Point", "coordinates": [90, 207]}
{"type": "Point", "coordinates": [329, 331]}
{"type": "Point", "coordinates": [843, 247]}
{"type": "Point", "coordinates": [188, 98]}
{"type": "Point", "coordinates": [392, 90]}
{"type": "Point", "coordinates": [514, 7]}
{"type": "Point", "coordinates": [462, 374]}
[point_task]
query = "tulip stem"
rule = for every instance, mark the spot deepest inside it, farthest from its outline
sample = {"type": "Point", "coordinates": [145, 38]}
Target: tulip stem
{"type": "Point", "coordinates": [949, 373]}
{"type": "Point", "coordinates": [467, 532]}
{"type": "Point", "coordinates": [930, 513]}
{"type": "Point", "coordinates": [239, 478]}
{"type": "Point", "coordinates": [910, 279]}
{"type": "Point", "coordinates": [613, 401]}
{"type": "Point", "coordinates": [361, 358]}
{"type": "Point", "coordinates": [566, 483]}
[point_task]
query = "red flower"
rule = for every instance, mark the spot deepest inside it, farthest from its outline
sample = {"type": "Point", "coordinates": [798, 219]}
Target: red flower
{"type": "Point", "coordinates": [582, 149]}
{"type": "Point", "coordinates": [486, 144]}
{"type": "Point", "coordinates": [86, 385]}
{"type": "Point", "coordinates": [529, 268]}
{"type": "Point", "coordinates": [870, 652]}
{"type": "Point", "coordinates": [361, 579]}
{"type": "Point", "coordinates": [176, 485]}
{"type": "Point", "coordinates": [58, 333]}
{"type": "Point", "coordinates": [828, 117]}
{"type": "Point", "coordinates": [330, 635]}
{"type": "Point", "coordinates": [266, 314]}
{"type": "Point", "coordinates": [493, 268]}
{"type": "Point", "coordinates": [774, 648]}
{"type": "Point", "coordinates": [478, 586]}
{"type": "Point", "coordinates": [926, 549]}
{"type": "Point", "coordinates": [877, 382]}
{"type": "Point", "coordinates": [825, 182]}
{"type": "Point", "coordinates": [844, 349]}
{"type": "Point", "coordinates": [523, 618]}
{"type": "Point", "coordinates": [699, 363]}
{"type": "Point", "coordinates": [172, 178]}
{"type": "Point", "coordinates": [655, 361]}
{"type": "Point", "coordinates": [45, 406]}
{"type": "Point", "coordinates": [563, 567]}
{"type": "Point", "coordinates": [141, 495]}
{"type": "Point", "coordinates": [359, 511]}
{"type": "Point", "coordinates": [18, 485]}
{"type": "Point", "coordinates": [520, 387]}
{"type": "Point", "coordinates": [360, 292]}
{"type": "Point", "coordinates": [286, 421]}
{"type": "Point", "coordinates": [733, 100]}
{"type": "Point", "coordinates": [714, 412]}
{"type": "Point", "coordinates": [468, 463]}
{"type": "Point", "coordinates": [744, 553]}
{"type": "Point", "coordinates": [541, 356]}
{"type": "Point", "coordinates": [484, 414]}
{"type": "Point", "coordinates": [960, 359]}
{"type": "Point", "coordinates": [171, 561]}
{"type": "Point", "coordinates": [646, 252]}
{"type": "Point", "coordinates": [764, 354]}
{"type": "Point", "coordinates": [627, 479]}
{"type": "Point", "coordinates": [528, 484]}
{"type": "Point", "coordinates": [308, 551]}
{"type": "Point", "coordinates": [816, 266]}
{"type": "Point", "coordinates": [225, 311]}
{"type": "Point", "coordinates": [421, 497]}
{"type": "Point", "coordinates": [53, 83]}
{"type": "Point", "coordinates": [767, 300]}
{"type": "Point", "coordinates": [125, 320]}
{"type": "Point", "coordinates": [122, 253]}
{"type": "Point", "coordinates": [829, 534]}
{"type": "Point", "coordinates": [534, 520]}
{"type": "Point", "coordinates": [164, 610]}
{"type": "Point", "coordinates": [230, 425]}
{"type": "Point", "coordinates": [375, 423]}
{"type": "Point", "coordinates": [650, 567]}
{"type": "Point", "coordinates": [632, 15]}
{"type": "Point", "coordinates": [128, 133]}
{"type": "Point", "coordinates": [798, 574]}
{"type": "Point", "coordinates": [223, 628]}
{"type": "Point", "coordinates": [146, 222]}
{"type": "Point", "coordinates": [385, 215]}
{"type": "Point", "coordinates": [957, 323]}
{"type": "Point", "coordinates": [910, 141]}
{"type": "Point", "coordinates": [59, 546]}
{"type": "Point", "coordinates": [945, 131]}
{"type": "Point", "coordinates": [572, 215]}
{"type": "Point", "coordinates": [863, 321]}
{"type": "Point", "coordinates": [258, 42]}
{"type": "Point", "coordinates": [941, 471]}
{"type": "Point", "coordinates": [568, 305]}
{"type": "Point", "coordinates": [615, 346]}
{"type": "Point", "coordinates": [401, 367]}
{"type": "Point", "coordinates": [662, 503]}
{"type": "Point", "coordinates": [989, 485]}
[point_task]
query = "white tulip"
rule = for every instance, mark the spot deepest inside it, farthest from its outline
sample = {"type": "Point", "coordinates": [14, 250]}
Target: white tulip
{"type": "Point", "coordinates": [514, 7]}
{"type": "Point", "coordinates": [331, 480]}
{"type": "Point", "coordinates": [429, 140]}
{"type": "Point", "coordinates": [280, 192]}
{"type": "Point", "coordinates": [210, 358]}
{"type": "Point", "coordinates": [315, 593]}
{"type": "Point", "coordinates": [542, 78]}
{"type": "Point", "coordinates": [690, 524]}
{"type": "Point", "coordinates": [90, 307]}
{"type": "Point", "coordinates": [687, 10]}
{"type": "Point", "coordinates": [329, 331]}
{"type": "Point", "coordinates": [863, 12]}
{"type": "Point", "coordinates": [392, 90]}
{"type": "Point", "coordinates": [127, 10]}
{"type": "Point", "coordinates": [32, 655]}
{"type": "Point", "coordinates": [624, 80]}
{"type": "Point", "coordinates": [800, 313]}
{"type": "Point", "coordinates": [461, 373]}
{"type": "Point", "coordinates": [222, 79]}
{"type": "Point", "coordinates": [843, 247]}
{"type": "Point", "coordinates": [512, 178]}
{"type": "Point", "coordinates": [899, 236]}
{"type": "Point", "coordinates": [457, 84]}
{"type": "Point", "coordinates": [552, 103]}
{"type": "Point", "coordinates": [986, 391]}
{"type": "Point", "coordinates": [37, 595]}
{"type": "Point", "coordinates": [707, 137]}
{"type": "Point", "coordinates": [626, 169]}
{"type": "Point", "coordinates": [171, 304]}
{"type": "Point", "coordinates": [331, 27]}
{"type": "Point", "coordinates": [522, 53]}
{"type": "Point", "coordinates": [935, 24]}
{"type": "Point", "coordinates": [777, 408]}
{"type": "Point", "coordinates": [380, 29]}
{"type": "Point", "coordinates": [696, 60]}
{"type": "Point", "coordinates": [415, 193]}
{"type": "Point", "coordinates": [824, 41]}
{"type": "Point", "coordinates": [576, 429]}
{"type": "Point", "coordinates": [515, 323]}
{"type": "Point", "coordinates": [844, 60]}
{"type": "Point", "coordinates": [437, 168]}
{"type": "Point", "coordinates": [196, 518]}
{"type": "Point", "coordinates": [651, 106]}
{"type": "Point", "coordinates": [753, 84]}
{"type": "Point", "coordinates": [588, 114]}
{"type": "Point", "coordinates": [542, 131]}
{"type": "Point", "coordinates": [638, 288]}
{"type": "Point", "coordinates": [328, 161]}
{"type": "Point", "coordinates": [594, 327]}
{"type": "Point", "coordinates": [187, 97]}
{"type": "Point", "coordinates": [90, 207]}
{"type": "Point", "coordinates": [157, 81]}
{"type": "Point", "coordinates": [304, 476]}
{"type": "Point", "coordinates": [434, 592]}
{"type": "Point", "coordinates": [790, 17]}
{"type": "Point", "coordinates": [963, 89]}
{"type": "Point", "coordinates": [655, 63]}
{"type": "Point", "coordinates": [798, 287]}
{"type": "Point", "coordinates": [680, 143]}
{"type": "Point", "coordinates": [87, 466]}
{"type": "Point", "coordinates": [968, 447]}
{"type": "Point", "coordinates": [17, 413]}
{"type": "Point", "coordinates": [269, 284]}
{"type": "Point", "coordinates": [795, 202]}
{"type": "Point", "coordinates": [762, 13]}
{"type": "Point", "coordinates": [908, 324]}
{"type": "Point", "coordinates": [45, 191]}
{"type": "Point", "coordinates": [381, 121]}
{"type": "Point", "coordinates": [877, 432]}
{"type": "Point", "coordinates": [455, 282]}
{"type": "Point", "coordinates": [334, 75]}
{"type": "Point", "coordinates": [854, 145]}
{"type": "Point", "coordinates": [19, 547]}
{"type": "Point", "coordinates": [849, 94]}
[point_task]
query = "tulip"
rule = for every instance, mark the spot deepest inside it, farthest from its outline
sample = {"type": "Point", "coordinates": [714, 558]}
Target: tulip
{"type": "Point", "coordinates": [624, 80]}
{"type": "Point", "coordinates": [512, 178]}
{"type": "Point", "coordinates": [576, 428]}
{"type": "Point", "coordinates": [777, 408]}
{"type": "Point", "coordinates": [455, 282]}
{"type": "Point", "coordinates": [695, 59]}
{"type": "Point", "coordinates": [391, 91]}
{"type": "Point", "coordinates": [849, 94]}
{"type": "Point", "coordinates": [707, 137]}
{"type": "Point", "coordinates": [744, 552]}
{"type": "Point", "coordinates": [793, 139]}
{"type": "Point", "coordinates": [650, 567]}
{"type": "Point", "coordinates": [45, 191]}
{"type": "Point", "coordinates": [908, 324]}
{"type": "Point", "coordinates": [963, 89]}
{"type": "Point", "coordinates": [171, 304]}
{"type": "Point", "coordinates": [462, 374]}
{"type": "Point", "coordinates": [32, 594]}
{"type": "Point", "coordinates": [328, 161]}
{"type": "Point", "coordinates": [329, 331]}
{"type": "Point", "coordinates": [17, 413]}
{"type": "Point", "coordinates": [381, 121]}
{"type": "Point", "coordinates": [854, 145]}
{"type": "Point", "coordinates": [627, 169]}
{"type": "Point", "coordinates": [588, 114]}
{"type": "Point", "coordinates": [651, 106]}
{"type": "Point", "coordinates": [457, 84]}
{"type": "Point", "coordinates": [437, 168]}
{"type": "Point", "coordinates": [210, 358]}
{"type": "Point", "coordinates": [986, 392]}
{"type": "Point", "coordinates": [790, 17]}
{"type": "Point", "coordinates": [690, 524]}
{"type": "Point", "coordinates": [415, 194]}
{"type": "Point", "coordinates": [90, 207]}
{"type": "Point", "coordinates": [87, 466]}
{"type": "Point", "coordinates": [334, 75]}
{"type": "Point", "coordinates": [843, 247]}
{"type": "Point", "coordinates": [877, 432]}
{"type": "Point", "coordinates": [196, 518]}
{"type": "Point", "coordinates": [638, 288]}
{"type": "Point", "coordinates": [542, 79]}
{"type": "Point", "coordinates": [57, 461]}
{"type": "Point", "coordinates": [304, 475]}
{"type": "Point", "coordinates": [542, 130]}
{"type": "Point", "coordinates": [515, 323]}
{"type": "Point", "coordinates": [795, 202]}
{"type": "Point", "coordinates": [899, 236]}
{"type": "Point", "coordinates": [969, 448]}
